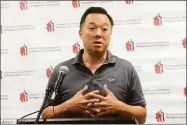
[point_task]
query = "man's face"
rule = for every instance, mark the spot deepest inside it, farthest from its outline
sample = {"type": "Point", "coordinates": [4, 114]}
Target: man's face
{"type": "Point", "coordinates": [96, 33]}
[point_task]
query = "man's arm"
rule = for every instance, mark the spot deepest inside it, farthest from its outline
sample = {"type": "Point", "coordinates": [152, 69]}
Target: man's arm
{"type": "Point", "coordinates": [136, 105]}
{"type": "Point", "coordinates": [138, 112]}
{"type": "Point", "coordinates": [125, 110]}
{"type": "Point", "coordinates": [78, 103]}
{"type": "Point", "coordinates": [54, 111]}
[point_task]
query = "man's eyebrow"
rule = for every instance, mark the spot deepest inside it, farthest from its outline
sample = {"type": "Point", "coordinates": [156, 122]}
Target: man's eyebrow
{"type": "Point", "coordinates": [95, 23]}
{"type": "Point", "coordinates": [91, 23]}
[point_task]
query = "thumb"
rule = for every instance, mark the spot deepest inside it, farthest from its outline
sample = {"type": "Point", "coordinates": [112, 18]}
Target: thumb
{"type": "Point", "coordinates": [107, 91]}
{"type": "Point", "coordinates": [84, 89]}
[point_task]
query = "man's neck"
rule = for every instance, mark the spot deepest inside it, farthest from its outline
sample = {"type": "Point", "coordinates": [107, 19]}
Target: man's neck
{"type": "Point", "coordinates": [93, 59]}
{"type": "Point", "coordinates": [93, 62]}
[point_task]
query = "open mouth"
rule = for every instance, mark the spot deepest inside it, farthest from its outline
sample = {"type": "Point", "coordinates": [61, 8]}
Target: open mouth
{"type": "Point", "coordinates": [97, 42]}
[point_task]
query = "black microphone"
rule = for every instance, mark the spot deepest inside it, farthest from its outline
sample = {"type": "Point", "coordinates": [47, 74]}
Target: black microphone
{"type": "Point", "coordinates": [63, 70]}
{"type": "Point", "coordinates": [53, 90]}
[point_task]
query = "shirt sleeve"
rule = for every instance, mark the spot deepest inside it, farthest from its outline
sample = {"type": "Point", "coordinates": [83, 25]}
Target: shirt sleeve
{"type": "Point", "coordinates": [135, 95]}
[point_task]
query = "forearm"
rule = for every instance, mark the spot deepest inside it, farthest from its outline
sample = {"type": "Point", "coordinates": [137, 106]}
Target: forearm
{"type": "Point", "coordinates": [138, 112]}
{"type": "Point", "coordinates": [54, 111]}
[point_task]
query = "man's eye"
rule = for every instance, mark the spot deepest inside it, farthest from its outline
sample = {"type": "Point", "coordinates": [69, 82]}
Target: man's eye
{"type": "Point", "coordinates": [91, 28]}
{"type": "Point", "coordinates": [104, 29]}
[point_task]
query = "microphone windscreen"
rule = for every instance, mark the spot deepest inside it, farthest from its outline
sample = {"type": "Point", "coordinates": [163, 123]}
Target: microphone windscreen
{"type": "Point", "coordinates": [63, 69]}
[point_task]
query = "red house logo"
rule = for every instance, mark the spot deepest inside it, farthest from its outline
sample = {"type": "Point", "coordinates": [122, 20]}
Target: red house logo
{"type": "Point", "coordinates": [75, 3]}
{"type": "Point", "coordinates": [50, 26]}
{"type": "Point", "coordinates": [158, 68]}
{"type": "Point", "coordinates": [160, 116]}
{"type": "Point", "coordinates": [185, 91]}
{"type": "Point", "coordinates": [129, 1]}
{"type": "Point", "coordinates": [24, 96]}
{"type": "Point", "coordinates": [184, 43]}
{"type": "Point", "coordinates": [130, 45]}
{"type": "Point", "coordinates": [157, 20]}
{"type": "Point", "coordinates": [49, 71]}
{"type": "Point", "coordinates": [23, 50]}
{"type": "Point", "coordinates": [76, 47]}
{"type": "Point", "coordinates": [23, 5]}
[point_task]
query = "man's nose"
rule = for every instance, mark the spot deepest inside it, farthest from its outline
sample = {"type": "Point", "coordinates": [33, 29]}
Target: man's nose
{"type": "Point", "coordinates": [98, 33]}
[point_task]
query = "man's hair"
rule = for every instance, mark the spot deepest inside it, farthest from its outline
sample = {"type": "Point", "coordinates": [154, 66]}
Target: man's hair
{"type": "Point", "coordinates": [99, 10]}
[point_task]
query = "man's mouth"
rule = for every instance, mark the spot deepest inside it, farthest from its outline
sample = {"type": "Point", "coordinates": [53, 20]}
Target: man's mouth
{"type": "Point", "coordinates": [97, 42]}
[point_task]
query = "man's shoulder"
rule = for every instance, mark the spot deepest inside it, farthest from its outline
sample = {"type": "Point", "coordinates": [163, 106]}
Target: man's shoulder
{"type": "Point", "coordinates": [66, 63]}
{"type": "Point", "coordinates": [123, 62]}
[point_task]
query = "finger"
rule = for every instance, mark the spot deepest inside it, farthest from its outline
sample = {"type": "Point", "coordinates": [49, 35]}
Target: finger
{"type": "Point", "coordinates": [89, 104]}
{"type": "Point", "coordinates": [94, 110]}
{"type": "Point", "coordinates": [84, 89]}
{"type": "Point", "coordinates": [86, 112]}
{"type": "Point", "coordinates": [83, 107]}
{"type": "Point", "coordinates": [101, 104]}
{"type": "Point", "coordinates": [93, 92]}
{"type": "Point", "coordinates": [107, 91]}
{"type": "Point", "coordinates": [103, 109]}
{"type": "Point", "coordinates": [101, 114]}
{"type": "Point", "coordinates": [92, 95]}
{"type": "Point", "coordinates": [92, 101]}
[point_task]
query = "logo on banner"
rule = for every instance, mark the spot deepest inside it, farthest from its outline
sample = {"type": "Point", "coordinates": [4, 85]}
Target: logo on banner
{"type": "Point", "coordinates": [50, 26]}
{"type": "Point", "coordinates": [129, 1]}
{"type": "Point", "coordinates": [76, 47]}
{"type": "Point", "coordinates": [49, 71]}
{"type": "Point", "coordinates": [130, 45]}
{"type": "Point", "coordinates": [160, 116]}
{"type": "Point", "coordinates": [24, 50]}
{"type": "Point", "coordinates": [75, 3]}
{"type": "Point", "coordinates": [158, 68]}
{"type": "Point", "coordinates": [157, 20]}
{"type": "Point", "coordinates": [185, 91]}
{"type": "Point", "coordinates": [24, 96]}
{"type": "Point", "coordinates": [23, 5]}
{"type": "Point", "coordinates": [184, 43]}
{"type": "Point", "coordinates": [4, 97]}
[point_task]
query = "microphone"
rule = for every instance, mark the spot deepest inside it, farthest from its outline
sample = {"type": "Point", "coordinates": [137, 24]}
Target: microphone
{"type": "Point", "coordinates": [54, 89]}
{"type": "Point", "coordinates": [63, 70]}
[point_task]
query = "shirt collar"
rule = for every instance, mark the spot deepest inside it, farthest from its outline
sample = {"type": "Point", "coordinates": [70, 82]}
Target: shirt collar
{"type": "Point", "coordinates": [78, 58]}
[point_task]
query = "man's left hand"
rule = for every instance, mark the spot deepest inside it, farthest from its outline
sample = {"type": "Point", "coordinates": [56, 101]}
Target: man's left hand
{"type": "Point", "coordinates": [107, 105]}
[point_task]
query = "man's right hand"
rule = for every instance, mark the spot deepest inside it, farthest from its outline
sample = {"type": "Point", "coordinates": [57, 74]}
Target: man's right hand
{"type": "Point", "coordinates": [79, 102]}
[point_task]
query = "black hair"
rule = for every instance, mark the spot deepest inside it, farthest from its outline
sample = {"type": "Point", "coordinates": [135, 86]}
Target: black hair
{"type": "Point", "coordinates": [95, 10]}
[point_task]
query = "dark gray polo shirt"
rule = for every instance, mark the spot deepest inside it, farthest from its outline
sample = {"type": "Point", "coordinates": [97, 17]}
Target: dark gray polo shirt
{"type": "Point", "coordinates": [118, 74]}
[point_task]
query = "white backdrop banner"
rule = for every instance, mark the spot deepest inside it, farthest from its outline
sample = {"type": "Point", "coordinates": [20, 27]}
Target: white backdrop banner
{"type": "Point", "coordinates": [37, 35]}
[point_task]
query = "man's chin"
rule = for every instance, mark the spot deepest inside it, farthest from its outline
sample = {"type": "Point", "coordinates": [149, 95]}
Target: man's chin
{"type": "Point", "coordinates": [98, 53]}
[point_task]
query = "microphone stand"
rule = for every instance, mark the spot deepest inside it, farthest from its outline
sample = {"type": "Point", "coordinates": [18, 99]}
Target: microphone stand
{"type": "Point", "coordinates": [29, 114]}
{"type": "Point", "coordinates": [51, 91]}
{"type": "Point", "coordinates": [48, 95]}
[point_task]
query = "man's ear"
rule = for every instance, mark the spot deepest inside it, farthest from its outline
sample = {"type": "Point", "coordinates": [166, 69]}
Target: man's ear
{"type": "Point", "coordinates": [80, 33]}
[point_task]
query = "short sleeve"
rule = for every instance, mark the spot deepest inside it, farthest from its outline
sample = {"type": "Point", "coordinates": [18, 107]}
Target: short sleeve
{"type": "Point", "coordinates": [135, 95]}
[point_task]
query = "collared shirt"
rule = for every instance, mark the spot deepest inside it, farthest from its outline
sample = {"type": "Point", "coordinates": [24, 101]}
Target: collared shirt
{"type": "Point", "coordinates": [118, 74]}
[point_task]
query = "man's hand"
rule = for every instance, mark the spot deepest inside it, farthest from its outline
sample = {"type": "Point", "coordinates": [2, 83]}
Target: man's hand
{"type": "Point", "coordinates": [79, 102]}
{"type": "Point", "coordinates": [107, 105]}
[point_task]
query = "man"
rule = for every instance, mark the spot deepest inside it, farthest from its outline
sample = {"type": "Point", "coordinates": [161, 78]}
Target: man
{"type": "Point", "coordinates": [98, 83]}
